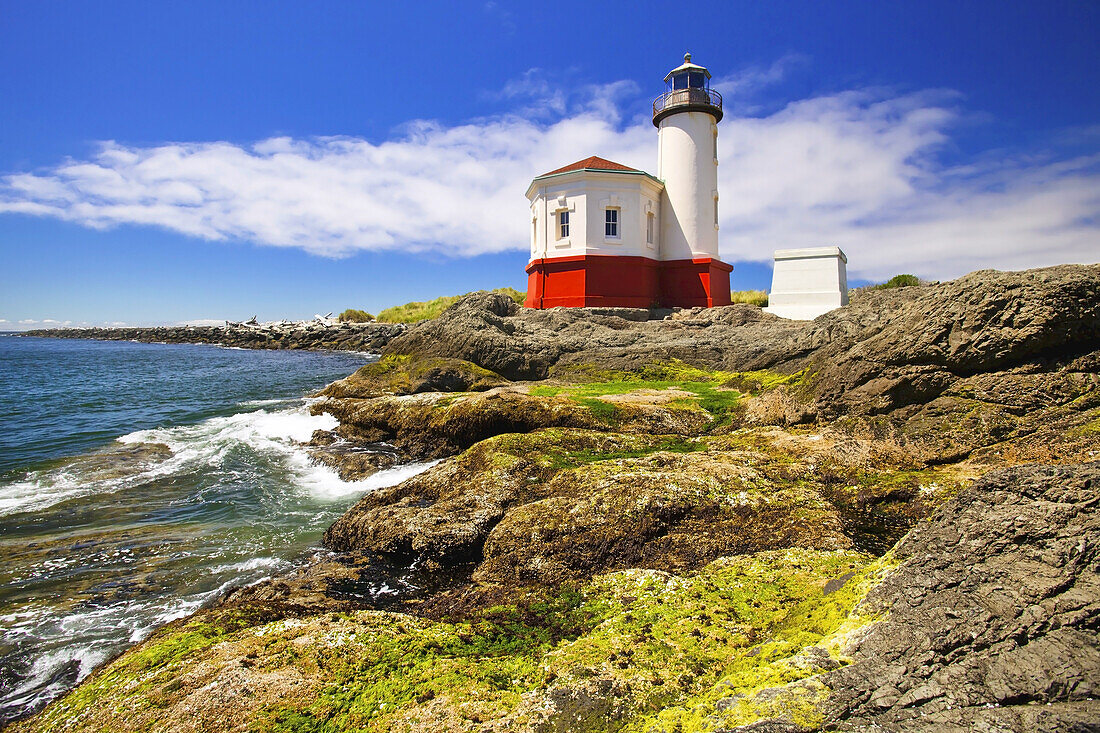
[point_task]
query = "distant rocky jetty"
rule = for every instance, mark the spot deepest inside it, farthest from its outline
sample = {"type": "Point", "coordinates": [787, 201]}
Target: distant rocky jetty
{"type": "Point", "coordinates": [296, 335]}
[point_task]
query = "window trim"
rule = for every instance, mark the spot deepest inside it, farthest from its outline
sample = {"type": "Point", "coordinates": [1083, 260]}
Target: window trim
{"type": "Point", "coordinates": [612, 217]}
{"type": "Point", "coordinates": [562, 224]}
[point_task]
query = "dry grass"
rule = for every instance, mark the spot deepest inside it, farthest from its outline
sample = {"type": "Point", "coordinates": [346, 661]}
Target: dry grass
{"type": "Point", "coordinates": [752, 297]}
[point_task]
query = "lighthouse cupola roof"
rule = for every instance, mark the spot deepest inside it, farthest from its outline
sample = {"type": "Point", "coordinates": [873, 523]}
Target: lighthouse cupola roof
{"type": "Point", "coordinates": [688, 74]}
{"type": "Point", "coordinates": [687, 90]}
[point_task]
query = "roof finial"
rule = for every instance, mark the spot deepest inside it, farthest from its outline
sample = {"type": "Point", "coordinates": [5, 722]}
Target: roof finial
{"type": "Point", "coordinates": [687, 58]}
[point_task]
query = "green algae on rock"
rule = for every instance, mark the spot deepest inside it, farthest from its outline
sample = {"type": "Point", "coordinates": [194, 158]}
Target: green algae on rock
{"type": "Point", "coordinates": [646, 639]}
{"type": "Point", "coordinates": [400, 375]}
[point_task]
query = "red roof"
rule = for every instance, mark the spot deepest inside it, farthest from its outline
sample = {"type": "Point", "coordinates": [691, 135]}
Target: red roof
{"type": "Point", "coordinates": [593, 163]}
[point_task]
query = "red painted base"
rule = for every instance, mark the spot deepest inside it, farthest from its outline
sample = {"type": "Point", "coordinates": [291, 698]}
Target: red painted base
{"type": "Point", "coordinates": [627, 282]}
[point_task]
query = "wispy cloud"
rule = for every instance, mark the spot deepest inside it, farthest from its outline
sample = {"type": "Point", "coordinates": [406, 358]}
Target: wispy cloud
{"type": "Point", "coordinates": [45, 322]}
{"type": "Point", "coordinates": [741, 89]}
{"type": "Point", "coordinates": [861, 169]}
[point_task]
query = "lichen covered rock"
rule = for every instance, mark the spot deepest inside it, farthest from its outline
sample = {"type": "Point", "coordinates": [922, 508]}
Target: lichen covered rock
{"type": "Point", "coordinates": [559, 505]}
{"type": "Point", "coordinates": [609, 656]}
{"type": "Point", "coordinates": [401, 375]}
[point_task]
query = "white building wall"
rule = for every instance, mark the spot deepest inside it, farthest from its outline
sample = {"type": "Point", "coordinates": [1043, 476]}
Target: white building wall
{"type": "Point", "coordinates": [586, 196]}
{"type": "Point", "coordinates": [687, 163]}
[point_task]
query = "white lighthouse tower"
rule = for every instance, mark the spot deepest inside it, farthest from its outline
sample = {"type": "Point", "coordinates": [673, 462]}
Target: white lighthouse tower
{"type": "Point", "coordinates": [686, 117]}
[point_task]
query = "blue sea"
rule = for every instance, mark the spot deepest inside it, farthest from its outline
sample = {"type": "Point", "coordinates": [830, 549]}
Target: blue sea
{"type": "Point", "coordinates": [139, 482]}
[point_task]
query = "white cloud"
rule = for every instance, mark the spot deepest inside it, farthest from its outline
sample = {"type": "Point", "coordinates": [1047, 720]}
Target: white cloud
{"type": "Point", "coordinates": [43, 322]}
{"type": "Point", "coordinates": [860, 169]}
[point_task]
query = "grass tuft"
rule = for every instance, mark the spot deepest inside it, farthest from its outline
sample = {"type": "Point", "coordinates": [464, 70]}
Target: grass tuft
{"type": "Point", "coordinates": [751, 297]}
{"type": "Point", "coordinates": [898, 281]}
{"type": "Point", "coordinates": [354, 315]}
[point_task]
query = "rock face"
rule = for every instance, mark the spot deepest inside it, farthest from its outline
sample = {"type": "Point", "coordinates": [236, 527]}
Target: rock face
{"type": "Point", "coordinates": [902, 346]}
{"type": "Point", "coordinates": [993, 614]}
{"type": "Point", "coordinates": [404, 376]}
{"type": "Point", "coordinates": [884, 519]}
{"type": "Point", "coordinates": [543, 509]}
{"type": "Point", "coordinates": [372, 337]}
{"type": "Point", "coordinates": [989, 623]}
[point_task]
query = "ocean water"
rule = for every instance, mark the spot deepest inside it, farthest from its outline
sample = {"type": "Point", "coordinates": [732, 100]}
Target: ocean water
{"type": "Point", "coordinates": [140, 481]}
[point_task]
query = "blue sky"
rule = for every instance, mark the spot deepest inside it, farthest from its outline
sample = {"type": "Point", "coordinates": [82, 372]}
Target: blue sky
{"type": "Point", "coordinates": [170, 162]}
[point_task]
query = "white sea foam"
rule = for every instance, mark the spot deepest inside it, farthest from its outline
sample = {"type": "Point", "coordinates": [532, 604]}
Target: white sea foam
{"type": "Point", "coordinates": [39, 490]}
{"type": "Point", "coordinates": [255, 563]}
{"type": "Point", "coordinates": [87, 657]}
{"type": "Point", "coordinates": [267, 403]}
{"type": "Point", "coordinates": [260, 429]}
{"type": "Point", "coordinates": [322, 482]}
{"type": "Point", "coordinates": [277, 434]}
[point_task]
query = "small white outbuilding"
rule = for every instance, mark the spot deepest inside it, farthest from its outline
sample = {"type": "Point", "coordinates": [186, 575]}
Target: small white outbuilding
{"type": "Point", "coordinates": [808, 282]}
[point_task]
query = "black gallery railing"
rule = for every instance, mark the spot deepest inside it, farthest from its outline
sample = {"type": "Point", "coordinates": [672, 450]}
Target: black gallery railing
{"type": "Point", "coordinates": [680, 97]}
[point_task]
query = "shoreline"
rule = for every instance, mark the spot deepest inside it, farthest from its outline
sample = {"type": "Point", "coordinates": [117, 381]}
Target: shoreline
{"type": "Point", "coordinates": [305, 335]}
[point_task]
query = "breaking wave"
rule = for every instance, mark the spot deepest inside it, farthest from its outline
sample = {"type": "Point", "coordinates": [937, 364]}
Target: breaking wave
{"type": "Point", "coordinates": [150, 528]}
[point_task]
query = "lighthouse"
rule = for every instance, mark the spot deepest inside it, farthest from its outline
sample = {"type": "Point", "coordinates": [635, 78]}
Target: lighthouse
{"type": "Point", "coordinates": [606, 234]}
{"type": "Point", "coordinates": [686, 117]}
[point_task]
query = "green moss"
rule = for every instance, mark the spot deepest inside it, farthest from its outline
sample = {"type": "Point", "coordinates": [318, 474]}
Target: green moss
{"type": "Point", "coordinates": [559, 449]}
{"type": "Point", "coordinates": [482, 664]}
{"type": "Point", "coordinates": [669, 372]}
{"type": "Point", "coordinates": [603, 411]}
{"type": "Point", "coordinates": [386, 365]}
{"type": "Point", "coordinates": [404, 374]}
{"type": "Point", "coordinates": [756, 382]}
{"type": "Point", "coordinates": [428, 309]}
{"type": "Point", "coordinates": [719, 393]}
{"type": "Point", "coordinates": [773, 678]}
{"type": "Point", "coordinates": [644, 447]}
{"type": "Point", "coordinates": [1087, 430]}
{"type": "Point", "coordinates": [671, 648]}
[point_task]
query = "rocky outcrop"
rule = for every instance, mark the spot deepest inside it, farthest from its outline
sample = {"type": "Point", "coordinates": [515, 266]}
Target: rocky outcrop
{"type": "Point", "coordinates": [398, 375]}
{"type": "Point", "coordinates": [436, 425]}
{"type": "Point", "coordinates": [690, 522]}
{"type": "Point", "coordinates": [897, 347]}
{"type": "Point", "coordinates": [370, 337]}
{"type": "Point", "coordinates": [560, 505]}
{"type": "Point", "coordinates": [993, 614]}
{"type": "Point", "coordinates": [989, 623]}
